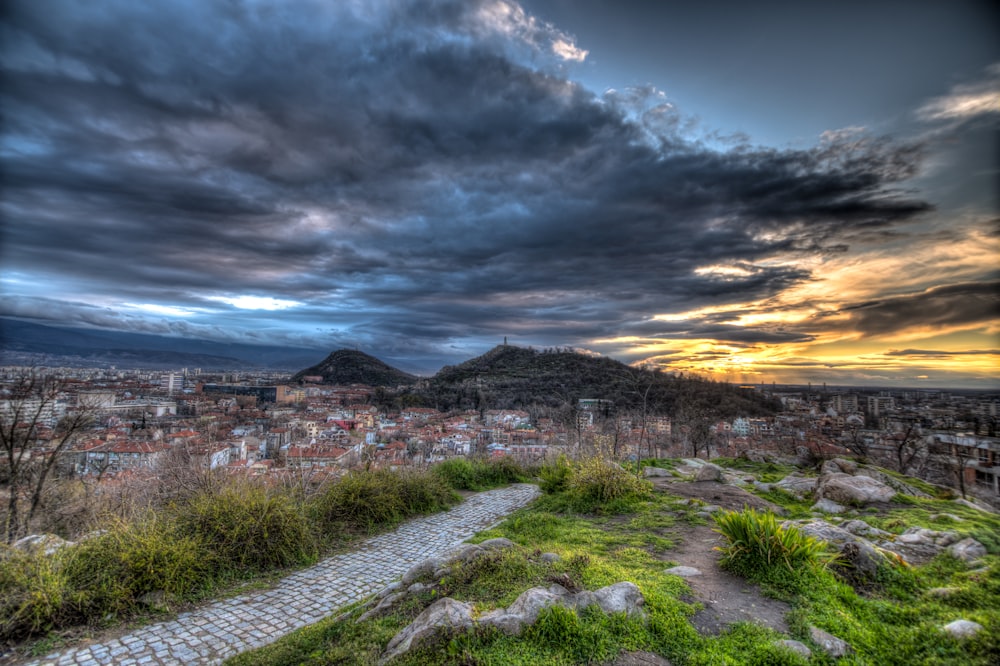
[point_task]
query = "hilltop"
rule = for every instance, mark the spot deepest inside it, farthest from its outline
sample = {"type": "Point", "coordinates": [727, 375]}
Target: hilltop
{"type": "Point", "coordinates": [515, 377]}
{"type": "Point", "coordinates": [348, 366]}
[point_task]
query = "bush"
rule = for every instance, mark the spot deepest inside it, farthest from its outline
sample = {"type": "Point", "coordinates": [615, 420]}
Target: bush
{"type": "Point", "coordinates": [249, 527]}
{"type": "Point", "coordinates": [601, 481]}
{"type": "Point", "coordinates": [377, 498]}
{"type": "Point", "coordinates": [556, 475]}
{"type": "Point", "coordinates": [32, 593]}
{"type": "Point", "coordinates": [109, 573]}
{"type": "Point", "coordinates": [758, 544]}
{"type": "Point", "coordinates": [480, 474]}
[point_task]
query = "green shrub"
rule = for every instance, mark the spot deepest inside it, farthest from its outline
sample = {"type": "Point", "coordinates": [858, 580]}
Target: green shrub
{"type": "Point", "coordinates": [556, 475]}
{"type": "Point", "coordinates": [480, 474]}
{"type": "Point", "coordinates": [33, 591]}
{"type": "Point", "coordinates": [377, 498]}
{"type": "Point", "coordinates": [109, 573]}
{"type": "Point", "coordinates": [598, 484]}
{"type": "Point", "coordinates": [248, 526]}
{"type": "Point", "coordinates": [756, 544]}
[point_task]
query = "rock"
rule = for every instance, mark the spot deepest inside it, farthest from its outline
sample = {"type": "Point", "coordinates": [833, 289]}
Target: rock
{"type": "Point", "coordinates": [847, 466]}
{"type": "Point", "coordinates": [853, 490]}
{"type": "Point", "coordinates": [46, 544]}
{"type": "Point", "coordinates": [828, 506]}
{"type": "Point", "coordinates": [383, 606]}
{"type": "Point", "coordinates": [709, 472]}
{"type": "Point", "coordinates": [711, 508]}
{"type": "Point", "coordinates": [797, 485]}
{"type": "Point", "coordinates": [390, 589]}
{"type": "Point", "coordinates": [499, 543]}
{"type": "Point", "coordinates": [762, 487]}
{"type": "Point", "coordinates": [973, 505]}
{"type": "Point", "coordinates": [656, 472]}
{"type": "Point", "coordinates": [550, 558]}
{"type": "Point", "coordinates": [833, 646]}
{"type": "Point", "coordinates": [856, 551]}
{"type": "Point", "coordinates": [443, 616]}
{"type": "Point", "coordinates": [947, 517]}
{"type": "Point", "coordinates": [416, 588]}
{"type": "Point", "coordinates": [795, 646]}
{"type": "Point", "coordinates": [683, 572]}
{"type": "Point", "coordinates": [525, 609]}
{"type": "Point", "coordinates": [466, 553]}
{"type": "Point", "coordinates": [422, 569]}
{"type": "Point", "coordinates": [962, 628]}
{"type": "Point", "coordinates": [641, 658]}
{"type": "Point", "coordinates": [891, 481]}
{"type": "Point", "coordinates": [861, 528]}
{"type": "Point", "coordinates": [623, 597]}
{"type": "Point", "coordinates": [943, 592]}
{"type": "Point", "coordinates": [968, 550]}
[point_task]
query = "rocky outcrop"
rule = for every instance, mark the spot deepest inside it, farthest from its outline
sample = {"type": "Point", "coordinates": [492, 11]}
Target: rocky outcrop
{"type": "Point", "coordinates": [448, 616]}
{"type": "Point", "coordinates": [797, 647]}
{"type": "Point", "coordinates": [830, 644]}
{"type": "Point", "coordinates": [853, 490]}
{"type": "Point", "coordinates": [46, 544]}
{"type": "Point", "coordinates": [709, 472]}
{"type": "Point", "coordinates": [968, 550]}
{"type": "Point", "coordinates": [442, 617]}
{"type": "Point", "coordinates": [797, 484]}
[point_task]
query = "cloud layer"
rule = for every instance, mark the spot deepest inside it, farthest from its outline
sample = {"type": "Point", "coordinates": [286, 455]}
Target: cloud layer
{"type": "Point", "coordinates": [417, 178]}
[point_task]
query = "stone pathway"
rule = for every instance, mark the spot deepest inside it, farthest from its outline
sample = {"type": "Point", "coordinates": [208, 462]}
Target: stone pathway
{"type": "Point", "coordinates": [226, 628]}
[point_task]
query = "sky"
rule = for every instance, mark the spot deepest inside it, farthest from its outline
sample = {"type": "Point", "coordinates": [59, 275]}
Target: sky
{"type": "Point", "coordinates": [754, 192]}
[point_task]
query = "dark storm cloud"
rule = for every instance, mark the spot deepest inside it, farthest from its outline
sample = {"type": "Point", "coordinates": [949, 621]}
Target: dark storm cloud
{"type": "Point", "coordinates": [952, 305]}
{"type": "Point", "coordinates": [427, 163]}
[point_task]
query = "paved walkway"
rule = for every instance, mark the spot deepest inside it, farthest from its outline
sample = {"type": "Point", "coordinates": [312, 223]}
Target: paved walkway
{"type": "Point", "coordinates": [226, 628]}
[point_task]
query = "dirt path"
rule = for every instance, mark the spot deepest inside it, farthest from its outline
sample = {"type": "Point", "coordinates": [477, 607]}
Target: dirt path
{"type": "Point", "coordinates": [726, 598]}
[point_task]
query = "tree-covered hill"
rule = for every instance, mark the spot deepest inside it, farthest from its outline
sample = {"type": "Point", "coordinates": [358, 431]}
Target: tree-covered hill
{"type": "Point", "coordinates": [347, 366]}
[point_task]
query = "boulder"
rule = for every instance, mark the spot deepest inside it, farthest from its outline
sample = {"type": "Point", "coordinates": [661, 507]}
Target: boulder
{"type": "Point", "coordinates": [641, 658]}
{"type": "Point", "coordinates": [962, 628]}
{"type": "Point", "coordinates": [853, 490]}
{"type": "Point", "coordinates": [525, 609]}
{"type": "Point", "coordinates": [423, 569]}
{"type": "Point", "coordinates": [859, 553]}
{"type": "Point", "coordinates": [444, 616]}
{"type": "Point", "coordinates": [623, 597]}
{"type": "Point", "coordinates": [550, 558]}
{"type": "Point", "coordinates": [828, 506]}
{"type": "Point", "coordinates": [798, 648]}
{"type": "Point", "coordinates": [656, 472]}
{"type": "Point", "coordinates": [709, 472]}
{"type": "Point", "coordinates": [797, 484]}
{"type": "Point", "coordinates": [466, 553]}
{"type": "Point", "coordinates": [973, 505]}
{"type": "Point", "coordinates": [968, 550]}
{"type": "Point", "coordinates": [46, 544]}
{"type": "Point", "coordinates": [499, 543]}
{"type": "Point", "coordinates": [833, 646]}
{"type": "Point", "coordinates": [861, 528]}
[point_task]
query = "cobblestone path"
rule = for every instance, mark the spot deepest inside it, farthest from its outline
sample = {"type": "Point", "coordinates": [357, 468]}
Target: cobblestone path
{"type": "Point", "coordinates": [226, 628]}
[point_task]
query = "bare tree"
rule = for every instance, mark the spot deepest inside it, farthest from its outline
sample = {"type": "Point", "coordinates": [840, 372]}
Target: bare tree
{"type": "Point", "coordinates": [32, 436]}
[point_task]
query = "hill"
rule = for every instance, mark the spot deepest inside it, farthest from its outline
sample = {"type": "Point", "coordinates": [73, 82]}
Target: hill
{"type": "Point", "coordinates": [509, 377]}
{"type": "Point", "coordinates": [347, 366]}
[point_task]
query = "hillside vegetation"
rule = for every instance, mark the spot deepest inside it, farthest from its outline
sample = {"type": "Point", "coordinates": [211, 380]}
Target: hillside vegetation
{"type": "Point", "coordinates": [347, 366]}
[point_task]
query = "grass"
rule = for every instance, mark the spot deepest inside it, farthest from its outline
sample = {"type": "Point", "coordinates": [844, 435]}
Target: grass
{"type": "Point", "coordinates": [481, 473]}
{"type": "Point", "coordinates": [896, 622]}
{"type": "Point", "coordinates": [201, 548]}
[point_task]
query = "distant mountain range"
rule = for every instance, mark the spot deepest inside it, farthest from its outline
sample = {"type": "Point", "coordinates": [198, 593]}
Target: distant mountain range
{"type": "Point", "coordinates": [27, 343]}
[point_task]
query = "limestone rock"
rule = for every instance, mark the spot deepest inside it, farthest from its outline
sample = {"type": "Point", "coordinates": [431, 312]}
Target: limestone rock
{"type": "Point", "coordinates": [861, 528]}
{"type": "Point", "coordinates": [46, 544]}
{"type": "Point", "coordinates": [422, 569]}
{"type": "Point", "coordinates": [973, 505]}
{"type": "Point", "coordinates": [444, 615]}
{"type": "Point", "coordinates": [656, 472]}
{"type": "Point", "coordinates": [499, 543]}
{"type": "Point", "coordinates": [525, 609]}
{"type": "Point", "coordinates": [963, 628]}
{"type": "Point", "coordinates": [854, 490]}
{"type": "Point", "coordinates": [641, 658]}
{"type": "Point", "coordinates": [795, 646]}
{"type": "Point", "coordinates": [967, 550]}
{"type": "Point", "coordinates": [828, 506]}
{"type": "Point", "coordinates": [683, 572]}
{"type": "Point", "coordinates": [797, 485]}
{"type": "Point", "coordinates": [858, 552]}
{"type": "Point", "coordinates": [709, 472]}
{"type": "Point", "coordinates": [623, 597]}
{"type": "Point", "coordinates": [466, 553]}
{"type": "Point", "coordinates": [550, 558]}
{"type": "Point", "coordinates": [833, 646]}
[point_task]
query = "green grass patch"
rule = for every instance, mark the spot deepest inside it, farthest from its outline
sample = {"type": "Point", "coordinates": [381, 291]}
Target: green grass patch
{"type": "Point", "coordinates": [481, 473]}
